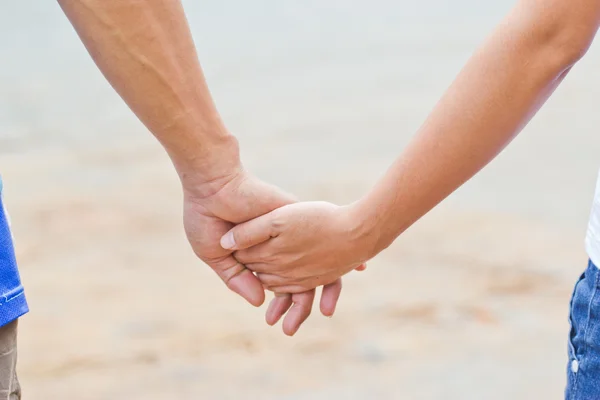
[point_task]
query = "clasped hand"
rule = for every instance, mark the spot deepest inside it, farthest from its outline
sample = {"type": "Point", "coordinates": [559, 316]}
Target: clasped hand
{"type": "Point", "coordinates": [276, 245]}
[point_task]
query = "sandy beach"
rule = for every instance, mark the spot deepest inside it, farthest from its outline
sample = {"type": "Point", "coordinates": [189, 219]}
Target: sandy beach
{"type": "Point", "coordinates": [471, 303]}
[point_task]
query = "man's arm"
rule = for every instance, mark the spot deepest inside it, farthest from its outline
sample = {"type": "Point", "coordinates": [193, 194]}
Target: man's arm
{"type": "Point", "coordinates": [494, 97]}
{"type": "Point", "coordinates": [146, 51]}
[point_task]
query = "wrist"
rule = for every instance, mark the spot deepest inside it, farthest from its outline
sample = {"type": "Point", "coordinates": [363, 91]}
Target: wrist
{"type": "Point", "coordinates": [364, 232]}
{"type": "Point", "coordinates": [210, 169]}
{"type": "Point", "coordinates": [371, 227]}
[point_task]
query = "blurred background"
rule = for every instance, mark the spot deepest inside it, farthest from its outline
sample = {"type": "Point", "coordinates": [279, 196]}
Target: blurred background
{"type": "Point", "coordinates": [471, 303]}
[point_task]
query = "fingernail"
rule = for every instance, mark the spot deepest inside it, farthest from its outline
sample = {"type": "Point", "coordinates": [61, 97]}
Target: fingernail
{"type": "Point", "coordinates": [228, 241]}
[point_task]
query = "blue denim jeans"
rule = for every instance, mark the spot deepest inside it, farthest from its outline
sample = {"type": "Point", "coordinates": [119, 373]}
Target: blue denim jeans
{"type": "Point", "coordinates": [583, 369]}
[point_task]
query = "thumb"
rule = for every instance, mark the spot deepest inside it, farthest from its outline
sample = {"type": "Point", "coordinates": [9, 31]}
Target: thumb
{"type": "Point", "coordinates": [249, 233]}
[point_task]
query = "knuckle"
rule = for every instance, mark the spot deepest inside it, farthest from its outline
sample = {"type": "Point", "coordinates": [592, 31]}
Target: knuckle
{"type": "Point", "coordinates": [278, 291]}
{"type": "Point", "coordinates": [227, 274]}
{"type": "Point", "coordinates": [268, 255]}
{"type": "Point", "coordinates": [294, 288]}
{"type": "Point", "coordinates": [273, 259]}
{"type": "Point", "coordinates": [241, 256]}
{"type": "Point", "coordinates": [296, 258]}
{"type": "Point", "coordinates": [268, 279]}
{"type": "Point", "coordinates": [277, 223]}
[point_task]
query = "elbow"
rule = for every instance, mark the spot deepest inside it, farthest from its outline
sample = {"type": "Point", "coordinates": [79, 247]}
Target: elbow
{"type": "Point", "coordinates": [549, 37]}
{"type": "Point", "coordinates": [569, 45]}
{"type": "Point", "coordinates": [564, 39]}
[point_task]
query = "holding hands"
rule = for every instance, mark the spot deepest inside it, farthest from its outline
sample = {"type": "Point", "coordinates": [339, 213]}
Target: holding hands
{"type": "Point", "coordinates": [249, 232]}
{"type": "Point", "coordinates": [212, 208]}
{"type": "Point", "coordinates": [301, 246]}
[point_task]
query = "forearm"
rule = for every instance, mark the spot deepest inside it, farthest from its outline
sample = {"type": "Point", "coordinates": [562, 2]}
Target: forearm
{"type": "Point", "coordinates": [492, 99]}
{"type": "Point", "coordinates": [145, 50]}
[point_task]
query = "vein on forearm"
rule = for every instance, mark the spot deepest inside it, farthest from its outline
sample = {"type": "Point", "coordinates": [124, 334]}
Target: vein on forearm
{"type": "Point", "coordinates": [131, 44]}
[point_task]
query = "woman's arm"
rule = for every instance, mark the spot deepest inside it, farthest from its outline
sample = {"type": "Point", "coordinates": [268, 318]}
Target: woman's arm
{"type": "Point", "coordinates": [501, 87]}
{"type": "Point", "coordinates": [493, 98]}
